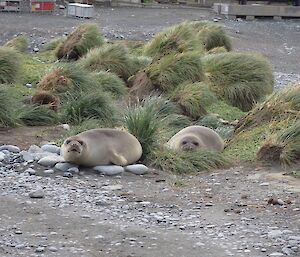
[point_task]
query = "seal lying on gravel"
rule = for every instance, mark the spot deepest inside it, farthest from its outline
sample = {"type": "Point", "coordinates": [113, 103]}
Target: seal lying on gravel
{"type": "Point", "coordinates": [195, 137]}
{"type": "Point", "coordinates": [102, 147]}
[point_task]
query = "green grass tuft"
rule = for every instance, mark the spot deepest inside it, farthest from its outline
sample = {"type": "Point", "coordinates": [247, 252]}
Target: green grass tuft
{"type": "Point", "coordinates": [9, 65]}
{"type": "Point", "coordinates": [173, 70]}
{"type": "Point", "coordinates": [111, 83]}
{"type": "Point", "coordinates": [193, 99]}
{"type": "Point", "coordinates": [7, 105]}
{"type": "Point", "coordinates": [18, 43]}
{"type": "Point", "coordinates": [37, 116]}
{"type": "Point", "coordinates": [188, 162]}
{"type": "Point", "coordinates": [113, 58]}
{"type": "Point", "coordinates": [240, 79]}
{"type": "Point", "coordinates": [79, 42]}
{"type": "Point", "coordinates": [89, 106]}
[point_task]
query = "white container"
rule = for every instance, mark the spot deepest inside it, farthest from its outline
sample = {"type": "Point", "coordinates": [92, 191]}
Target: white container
{"type": "Point", "coordinates": [80, 10]}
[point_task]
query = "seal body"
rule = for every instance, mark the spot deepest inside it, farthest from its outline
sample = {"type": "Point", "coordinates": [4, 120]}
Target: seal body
{"type": "Point", "coordinates": [196, 137]}
{"type": "Point", "coordinates": [102, 147]}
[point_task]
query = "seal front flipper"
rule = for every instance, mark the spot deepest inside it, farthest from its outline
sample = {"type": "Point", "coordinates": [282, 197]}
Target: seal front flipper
{"type": "Point", "coordinates": [118, 159]}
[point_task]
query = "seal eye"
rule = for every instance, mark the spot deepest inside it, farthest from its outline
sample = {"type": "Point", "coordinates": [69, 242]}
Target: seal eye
{"type": "Point", "coordinates": [68, 142]}
{"type": "Point", "coordinates": [184, 142]}
{"type": "Point", "coordinates": [80, 142]}
{"type": "Point", "coordinates": [196, 143]}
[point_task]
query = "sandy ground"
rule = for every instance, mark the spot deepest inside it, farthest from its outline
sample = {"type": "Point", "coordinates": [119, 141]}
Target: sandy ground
{"type": "Point", "coordinates": [218, 214]}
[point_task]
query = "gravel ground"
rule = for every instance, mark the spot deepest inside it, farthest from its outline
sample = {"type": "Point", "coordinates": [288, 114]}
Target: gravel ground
{"type": "Point", "coordinates": [278, 41]}
{"type": "Point", "coordinates": [224, 213]}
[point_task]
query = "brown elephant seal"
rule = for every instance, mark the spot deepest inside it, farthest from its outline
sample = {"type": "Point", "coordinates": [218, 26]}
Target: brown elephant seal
{"type": "Point", "coordinates": [196, 137]}
{"type": "Point", "coordinates": [102, 147]}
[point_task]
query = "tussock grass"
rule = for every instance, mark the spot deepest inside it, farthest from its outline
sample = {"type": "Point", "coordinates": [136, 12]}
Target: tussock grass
{"type": "Point", "coordinates": [281, 105]}
{"type": "Point", "coordinates": [241, 79]}
{"type": "Point", "coordinates": [217, 50]}
{"type": "Point", "coordinates": [173, 70]}
{"type": "Point", "coordinates": [139, 63]}
{"type": "Point", "coordinates": [111, 83]}
{"type": "Point", "coordinates": [225, 111]}
{"type": "Point", "coordinates": [53, 44]}
{"type": "Point", "coordinates": [113, 58]}
{"type": "Point", "coordinates": [177, 39]}
{"type": "Point", "coordinates": [46, 98]}
{"type": "Point", "coordinates": [193, 99]}
{"type": "Point", "coordinates": [188, 162]}
{"type": "Point", "coordinates": [37, 116]}
{"type": "Point", "coordinates": [67, 78]}
{"type": "Point", "coordinates": [9, 65]}
{"type": "Point", "coordinates": [148, 121]}
{"type": "Point", "coordinates": [79, 42]}
{"type": "Point", "coordinates": [7, 105]}
{"type": "Point", "coordinates": [86, 124]}
{"type": "Point", "coordinates": [89, 106]}
{"type": "Point", "coordinates": [283, 147]}
{"type": "Point", "coordinates": [18, 43]}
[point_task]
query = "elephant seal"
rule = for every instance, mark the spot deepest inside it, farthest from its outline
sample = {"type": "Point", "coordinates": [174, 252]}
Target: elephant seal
{"type": "Point", "coordinates": [196, 137]}
{"type": "Point", "coordinates": [102, 147]}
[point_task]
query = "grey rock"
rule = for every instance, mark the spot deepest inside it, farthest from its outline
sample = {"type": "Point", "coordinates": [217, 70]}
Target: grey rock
{"type": "Point", "coordinates": [73, 170]}
{"type": "Point", "coordinates": [276, 254]}
{"type": "Point", "coordinates": [39, 193]}
{"type": "Point", "coordinates": [36, 49]}
{"type": "Point", "coordinates": [296, 238]}
{"type": "Point", "coordinates": [10, 148]}
{"type": "Point", "coordinates": [113, 187]}
{"type": "Point", "coordinates": [40, 249]}
{"type": "Point", "coordinates": [50, 171]}
{"type": "Point", "coordinates": [51, 148]}
{"type": "Point", "coordinates": [34, 149]}
{"type": "Point", "coordinates": [50, 161]}
{"type": "Point", "coordinates": [27, 156]}
{"type": "Point", "coordinates": [274, 233]}
{"type": "Point", "coordinates": [2, 156]}
{"type": "Point", "coordinates": [28, 85]}
{"type": "Point", "coordinates": [287, 251]}
{"type": "Point", "coordinates": [264, 184]}
{"type": "Point", "coordinates": [68, 174]}
{"type": "Point", "coordinates": [109, 170]}
{"type": "Point", "coordinates": [64, 166]}
{"type": "Point", "coordinates": [137, 169]}
{"type": "Point", "coordinates": [31, 171]}
{"type": "Point", "coordinates": [52, 249]}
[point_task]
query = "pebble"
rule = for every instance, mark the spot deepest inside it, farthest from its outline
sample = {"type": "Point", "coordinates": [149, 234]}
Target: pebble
{"type": "Point", "coordinates": [74, 170]}
{"type": "Point", "coordinates": [36, 49]}
{"type": "Point", "coordinates": [51, 148]}
{"type": "Point", "coordinates": [52, 249]}
{"type": "Point", "coordinates": [10, 148]}
{"type": "Point", "coordinates": [27, 156]}
{"type": "Point", "coordinates": [50, 171]}
{"type": "Point", "coordinates": [34, 149]}
{"type": "Point", "coordinates": [39, 193]}
{"type": "Point", "coordinates": [68, 174]}
{"type": "Point", "coordinates": [64, 166]}
{"type": "Point", "coordinates": [51, 160]}
{"type": "Point", "coordinates": [264, 184]}
{"type": "Point", "coordinates": [2, 156]}
{"type": "Point", "coordinates": [28, 85]}
{"type": "Point", "coordinates": [109, 170]}
{"type": "Point", "coordinates": [113, 187]}
{"type": "Point", "coordinates": [40, 249]}
{"type": "Point", "coordinates": [274, 233]}
{"type": "Point", "coordinates": [276, 254]}
{"type": "Point", "coordinates": [31, 171]}
{"type": "Point", "coordinates": [137, 169]}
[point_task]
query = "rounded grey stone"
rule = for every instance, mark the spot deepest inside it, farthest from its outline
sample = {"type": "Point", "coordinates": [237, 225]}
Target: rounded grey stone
{"type": "Point", "coordinates": [49, 171]}
{"type": "Point", "coordinates": [39, 193]}
{"type": "Point", "coordinates": [109, 170]}
{"type": "Point", "coordinates": [10, 148]}
{"type": "Point", "coordinates": [68, 174]}
{"type": "Point", "coordinates": [64, 166]}
{"type": "Point", "coordinates": [51, 148]}
{"type": "Point", "coordinates": [137, 169]}
{"type": "Point", "coordinates": [34, 149]}
{"type": "Point", "coordinates": [27, 156]}
{"type": "Point", "coordinates": [2, 156]}
{"type": "Point", "coordinates": [51, 160]}
{"type": "Point", "coordinates": [30, 171]}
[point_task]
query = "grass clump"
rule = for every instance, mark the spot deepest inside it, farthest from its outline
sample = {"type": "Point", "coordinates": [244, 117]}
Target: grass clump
{"type": "Point", "coordinates": [217, 50]}
{"type": "Point", "coordinates": [113, 58]}
{"type": "Point", "coordinates": [174, 69]}
{"type": "Point", "coordinates": [9, 65]}
{"type": "Point", "coordinates": [53, 44]}
{"type": "Point", "coordinates": [148, 121]}
{"type": "Point", "coordinates": [37, 116]}
{"type": "Point", "coordinates": [193, 99]}
{"type": "Point", "coordinates": [177, 39]}
{"type": "Point", "coordinates": [111, 83]}
{"type": "Point", "coordinates": [240, 79]}
{"type": "Point", "coordinates": [283, 147]}
{"type": "Point", "coordinates": [89, 106]}
{"type": "Point", "coordinates": [46, 98]}
{"type": "Point", "coordinates": [18, 43]}
{"type": "Point", "coordinates": [188, 162]}
{"type": "Point", "coordinates": [67, 78]}
{"type": "Point", "coordinates": [79, 42]}
{"type": "Point", "coordinates": [7, 118]}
